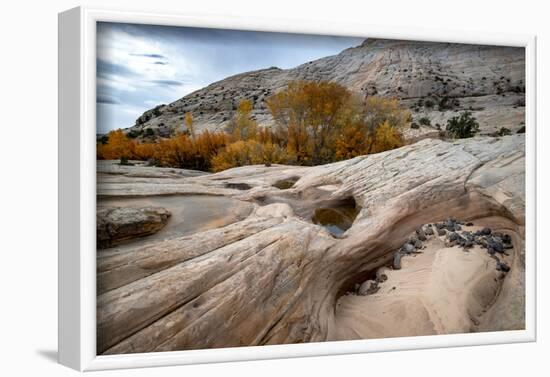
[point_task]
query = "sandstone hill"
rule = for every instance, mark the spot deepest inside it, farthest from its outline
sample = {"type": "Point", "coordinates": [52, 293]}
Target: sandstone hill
{"type": "Point", "coordinates": [435, 80]}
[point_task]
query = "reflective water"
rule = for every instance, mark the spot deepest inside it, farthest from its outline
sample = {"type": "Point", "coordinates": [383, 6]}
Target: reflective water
{"type": "Point", "coordinates": [190, 213]}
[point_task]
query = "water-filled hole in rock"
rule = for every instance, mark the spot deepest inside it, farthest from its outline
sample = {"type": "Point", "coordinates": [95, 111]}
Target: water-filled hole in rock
{"type": "Point", "coordinates": [337, 218]}
{"type": "Point", "coordinates": [287, 183]}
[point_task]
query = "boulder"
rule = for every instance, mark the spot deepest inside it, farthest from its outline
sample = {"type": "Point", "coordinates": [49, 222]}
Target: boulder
{"type": "Point", "coordinates": [116, 225]}
{"type": "Point", "coordinates": [368, 287]}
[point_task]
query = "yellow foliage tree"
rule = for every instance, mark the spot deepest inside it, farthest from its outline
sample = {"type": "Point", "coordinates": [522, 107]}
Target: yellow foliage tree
{"type": "Point", "coordinates": [176, 151]}
{"type": "Point", "coordinates": [184, 152]}
{"type": "Point", "coordinates": [248, 152]}
{"type": "Point", "coordinates": [118, 146]}
{"type": "Point", "coordinates": [352, 142]}
{"type": "Point", "coordinates": [145, 151]}
{"type": "Point", "coordinates": [378, 110]}
{"type": "Point", "coordinates": [242, 127]}
{"type": "Point", "coordinates": [312, 115]}
{"type": "Point", "coordinates": [189, 124]}
{"type": "Point", "coordinates": [385, 137]}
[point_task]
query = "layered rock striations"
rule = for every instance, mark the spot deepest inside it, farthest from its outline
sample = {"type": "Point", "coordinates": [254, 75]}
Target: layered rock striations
{"type": "Point", "coordinates": [276, 277]}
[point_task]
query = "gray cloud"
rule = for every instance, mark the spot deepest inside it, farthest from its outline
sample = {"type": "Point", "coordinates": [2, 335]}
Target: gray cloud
{"type": "Point", "coordinates": [167, 82]}
{"type": "Point", "coordinates": [153, 56]}
{"type": "Point", "coordinates": [180, 60]}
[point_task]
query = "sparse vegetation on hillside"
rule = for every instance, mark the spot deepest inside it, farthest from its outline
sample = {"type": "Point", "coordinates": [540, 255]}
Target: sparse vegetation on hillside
{"type": "Point", "coordinates": [316, 123]}
{"type": "Point", "coordinates": [503, 132]}
{"type": "Point", "coordinates": [462, 126]}
{"type": "Point", "coordinates": [425, 121]}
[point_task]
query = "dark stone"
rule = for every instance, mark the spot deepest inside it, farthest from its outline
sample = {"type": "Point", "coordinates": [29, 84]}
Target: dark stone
{"type": "Point", "coordinates": [441, 232]}
{"type": "Point", "coordinates": [469, 224]}
{"type": "Point", "coordinates": [506, 238]}
{"type": "Point", "coordinates": [420, 234]}
{"type": "Point", "coordinates": [453, 236]}
{"type": "Point", "coordinates": [501, 266]}
{"type": "Point", "coordinates": [397, 261]}
{"type": "Point", "coordinates": [482, 241]}
{"type": "Point", "coordinates": [496, 246]}
{"type": "Point", "coordinates": [486, 231]}
{"type": "Point", "coordinates": [407, 248]}
{"type": "Point", "coordinates": [418, 244]}
{"type": "Point", "coordinates": [238, 186]}
{"type": "Point", "coordinates": [429, 230]}
{"type": "Point", "coordinates": [450, 243]}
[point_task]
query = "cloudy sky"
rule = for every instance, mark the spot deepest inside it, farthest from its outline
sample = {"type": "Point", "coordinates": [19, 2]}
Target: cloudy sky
{"type": "Point", "coordinates": [141, 66]}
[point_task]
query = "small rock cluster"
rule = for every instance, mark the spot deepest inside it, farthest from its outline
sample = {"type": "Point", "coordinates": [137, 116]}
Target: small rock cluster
{"type": "Point", "coordinates": [451, 229]}
{"type": "Point", "coordinates": [414, 243]}
{"type": "Point", "coordinates": [370, 287]}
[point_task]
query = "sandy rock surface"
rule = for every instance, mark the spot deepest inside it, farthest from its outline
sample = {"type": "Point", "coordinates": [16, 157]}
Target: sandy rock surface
{"type": "Point", "coordinates": [275, 277]}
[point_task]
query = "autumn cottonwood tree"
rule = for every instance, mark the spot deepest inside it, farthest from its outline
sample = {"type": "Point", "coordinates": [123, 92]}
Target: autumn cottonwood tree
{"type": "Point", "coordinates": [118, 146]}
{"type": "Point", "coordinates": [251, 144]}
{"type": "Point", "coordinates": [189, 124]}
{"type": "Point", "coordinates": [184, 152]}
{"type": "Point", "coordinates": [248, 152]}
{"type": "Point", "coordinates": [242, 126]}
{"type": "Point", "coordinates": [324, 122]}
{"type": "Point", "coordinates": [312, 115]}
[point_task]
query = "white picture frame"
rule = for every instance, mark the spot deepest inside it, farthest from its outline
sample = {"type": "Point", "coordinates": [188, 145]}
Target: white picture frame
{"type": "Point", "coordinates": [77, 185]}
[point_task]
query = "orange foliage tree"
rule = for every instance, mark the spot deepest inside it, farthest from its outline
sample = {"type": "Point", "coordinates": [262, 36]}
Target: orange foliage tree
{"type": "Point", "coordinates": [242, 126]}
{"type": "Point", "coordinates": [118, 146]}
{"type": "Point", "coordinates": [315, 123]}
{"type": "Point", "coordinates": [324, 122]}
{"type": "Point", "coordinates": [248, 152]}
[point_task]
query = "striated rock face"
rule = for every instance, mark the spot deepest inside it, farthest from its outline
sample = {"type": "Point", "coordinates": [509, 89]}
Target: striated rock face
{"type": "Point", "coordinates": [433, 79]}
{"type": "Point", "coordinates": [276, 277]}
{"type": "Point", "coordinates": [116, 225]}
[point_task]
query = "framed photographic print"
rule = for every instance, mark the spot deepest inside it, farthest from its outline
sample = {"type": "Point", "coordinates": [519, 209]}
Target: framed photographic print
{"type": "Point", "coordinates": [238, 189]}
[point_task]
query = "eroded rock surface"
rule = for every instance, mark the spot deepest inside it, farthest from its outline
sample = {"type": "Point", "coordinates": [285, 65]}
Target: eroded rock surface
{"type": "Point", "coordinates": [276, 277]}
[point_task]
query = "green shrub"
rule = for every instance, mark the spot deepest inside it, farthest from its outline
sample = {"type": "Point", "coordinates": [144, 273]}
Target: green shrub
{"type": "Point", "coordinates": [124, 161]}
{"type": "Point", "coordinates": [462, 126]}
{"type": "Point", "coordinates": [133, 134]}
{"type": "Point", "coordinates": [425, 121]}
{"type": "Point", "coordinates": [504, 132]}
